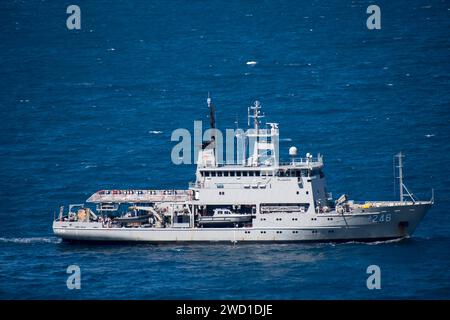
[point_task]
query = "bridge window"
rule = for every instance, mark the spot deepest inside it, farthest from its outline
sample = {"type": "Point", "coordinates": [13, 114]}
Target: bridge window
{"type": "Point", "coordinates": [244, 173]}
{"type": "Point", "coordinates": [225, 173]}
{"type": "Point", "coordinates": [213, 173]}
{"type": "Point", "coordinates": [238, 173]}
{"type": "Point", "coordinates": [219, 173]}
{"type": "Point", "coordinates": [251, 173]}
{"type": "Point", "coordinates": [232, 173]}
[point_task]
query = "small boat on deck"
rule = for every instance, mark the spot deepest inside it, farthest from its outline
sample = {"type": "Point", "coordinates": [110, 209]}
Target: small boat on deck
{"type": "Point", "coordinates": [131, 219]}
{"type": "Point", "coordinates": [224, 217]}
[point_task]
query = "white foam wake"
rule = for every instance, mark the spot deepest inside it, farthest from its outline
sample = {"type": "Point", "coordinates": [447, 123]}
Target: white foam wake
{"type": "Point", "coordinates": [372, 243]}
{"type": "Point", "coordinates": [31, 240]}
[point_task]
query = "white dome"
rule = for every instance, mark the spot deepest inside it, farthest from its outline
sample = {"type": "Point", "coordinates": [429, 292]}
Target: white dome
{"type": "Point", "coordinates": [292, 151]}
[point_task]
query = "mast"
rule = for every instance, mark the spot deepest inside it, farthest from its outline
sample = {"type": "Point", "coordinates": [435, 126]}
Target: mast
{"type": "Point", "coordinates": [212, 113]}
{"type": "Point", "coordinates": [256, 114]}
{"type": "Point", "coordinates": [208, 151]}
{"type": "Point", "coordinates": [402, 186]}
{"type": "Point", "coordinates": [263, 143]}
{"type": "Point", "coordinates": [400, 174]}
{"type": "Point", "coordinates": [212, 124]}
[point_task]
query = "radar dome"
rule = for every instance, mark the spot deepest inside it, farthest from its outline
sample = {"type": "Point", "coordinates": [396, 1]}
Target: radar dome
{"type": "Point", "coordinates": [293, 151]}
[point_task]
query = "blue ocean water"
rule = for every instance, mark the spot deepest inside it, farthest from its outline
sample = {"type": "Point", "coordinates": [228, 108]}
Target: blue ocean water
{"type": "Point", "coordinates": [92, 109]}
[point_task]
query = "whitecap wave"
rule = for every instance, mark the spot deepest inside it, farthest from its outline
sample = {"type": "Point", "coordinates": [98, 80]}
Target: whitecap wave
{"type": "Point", "coordinates": [251, 63]}
{"type": "Point", "coordinates": [155, 132]}
{"type": "Point", "coordinates": [31, 240]}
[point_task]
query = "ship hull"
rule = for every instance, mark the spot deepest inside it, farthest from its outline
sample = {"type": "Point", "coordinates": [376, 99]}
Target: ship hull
{"type": "Point", "coordinates": [371, 224]}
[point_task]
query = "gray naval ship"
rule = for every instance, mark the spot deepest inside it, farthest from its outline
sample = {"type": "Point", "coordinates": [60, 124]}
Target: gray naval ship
{"type": "Point", "coordinates": [259, 199]}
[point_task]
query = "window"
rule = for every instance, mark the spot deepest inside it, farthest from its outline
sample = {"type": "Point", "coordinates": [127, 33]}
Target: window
{"type": "Point", "coordinates": [280, 173]}
{"type": "Point", "coordinates": [257, 173]}
{"type": "Point", "coordinates": [206, 173]}
{"type": "Point", "coordinates": [267, 173]}
{"type": "Point", "coordinates": [232, 173]}
{"type": "Point", "coordinates": [238, 173]}
{"type": "Point", "coordinates": [251, 173]}
{"type": "Point", "coordinates": [225, 173]}
{"type": "Point", "coordinates": [219, 173]}
{"type": "Point", "coordinates": [244, 173]}
{"type": "Point", "coordinates": [213, 174]}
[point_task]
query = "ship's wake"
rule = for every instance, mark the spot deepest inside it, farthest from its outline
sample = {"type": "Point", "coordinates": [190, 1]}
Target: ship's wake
{"type": "Point", "coordinates": [31, 240]}
{"type": "Point", "coordinates": [379, 242]}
